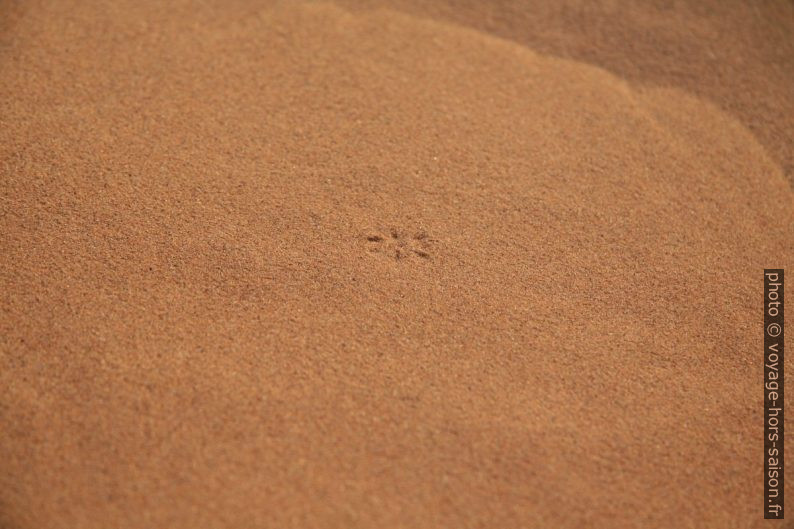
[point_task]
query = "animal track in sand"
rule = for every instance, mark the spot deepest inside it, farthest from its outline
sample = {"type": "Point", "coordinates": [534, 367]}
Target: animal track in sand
{"type": "Point", "coordinates": [400, 244]}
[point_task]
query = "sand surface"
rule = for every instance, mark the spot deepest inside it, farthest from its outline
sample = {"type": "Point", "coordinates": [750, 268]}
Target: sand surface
{"type": "Point", "coordinates": [331, 265]}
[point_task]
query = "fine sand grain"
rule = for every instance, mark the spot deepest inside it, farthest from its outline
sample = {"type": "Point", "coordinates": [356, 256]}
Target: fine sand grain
{"type": "Point", "coordinates": [302, 265]}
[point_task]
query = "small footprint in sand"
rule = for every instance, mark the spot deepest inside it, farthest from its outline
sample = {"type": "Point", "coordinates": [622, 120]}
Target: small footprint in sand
{"type": "Point", "coordinates": [400, 245]}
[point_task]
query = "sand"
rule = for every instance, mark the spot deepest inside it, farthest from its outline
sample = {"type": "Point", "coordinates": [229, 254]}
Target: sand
{"type": "Point", "coordinates": [319, 265]}
{"type": "Point", "coordinates": [739, 55]}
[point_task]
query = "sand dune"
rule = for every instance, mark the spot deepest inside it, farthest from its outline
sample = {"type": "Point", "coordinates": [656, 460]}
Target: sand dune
{"type": "Point", "coordinates": [312, 266]}
{"type": "Point", "coordinates": [738, 55]}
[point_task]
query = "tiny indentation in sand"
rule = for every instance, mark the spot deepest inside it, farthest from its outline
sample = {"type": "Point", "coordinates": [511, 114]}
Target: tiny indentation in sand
{"type": "Point", "coordinates": [400, 246]}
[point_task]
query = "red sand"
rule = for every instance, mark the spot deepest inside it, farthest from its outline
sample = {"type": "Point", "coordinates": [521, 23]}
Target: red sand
{"type": "Point", "coordinates": [300, 266]}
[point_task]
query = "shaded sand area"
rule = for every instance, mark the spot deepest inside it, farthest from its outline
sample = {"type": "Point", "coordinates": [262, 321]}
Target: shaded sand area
{"type": "Point", "coordinates": [301, 266]}
{"type": "Point", "coordinates": [737, 54]}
